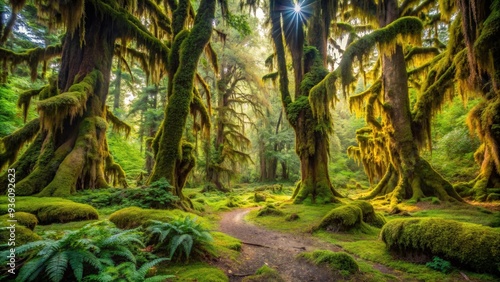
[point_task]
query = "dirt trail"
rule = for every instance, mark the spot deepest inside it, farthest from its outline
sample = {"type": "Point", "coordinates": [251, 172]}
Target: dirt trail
{"type": "Point", "coordinates": [277, 250]}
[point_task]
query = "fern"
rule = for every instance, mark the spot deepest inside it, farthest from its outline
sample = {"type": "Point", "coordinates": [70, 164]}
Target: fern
{"type": "Point", "coordinates": [88, 250]}
{"type": "Point", "coordinates": [127, 272]}
{"type": "Point", "coordinates": [180, 237]}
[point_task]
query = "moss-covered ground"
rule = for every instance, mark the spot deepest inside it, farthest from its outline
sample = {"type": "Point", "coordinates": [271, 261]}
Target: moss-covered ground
{"type": "Point", "coordinates": [364, 245]}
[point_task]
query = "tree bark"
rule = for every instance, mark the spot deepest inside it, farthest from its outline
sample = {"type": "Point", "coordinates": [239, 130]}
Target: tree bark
{"type": "Point", "coordinates": [74, 153]}
{"type": "Point", "coordinates": [408, 176]}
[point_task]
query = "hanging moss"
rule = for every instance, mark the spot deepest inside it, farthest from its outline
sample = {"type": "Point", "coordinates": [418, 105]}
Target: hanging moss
{"type": "Point", "coordinates": [31, 57]}
{"type": "Point", "coordinates": [25, 99]}
{"type": "Point", "coordinates": [69, 104]}
{"type": "Point", "coordinates": [13, 143]}
{"type": "Point", "coordinates": [472, 246]}
{"type": "Point", "coordinates": [118, 125]}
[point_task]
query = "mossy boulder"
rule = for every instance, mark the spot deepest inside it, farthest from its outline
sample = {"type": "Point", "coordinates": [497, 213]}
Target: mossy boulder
{"type": "Point", "coordinates": [471, 246]}
{"type": "Point", "coordinates": [133, 217]}
{"type": "Point", "coordinates": [259, 197]}
{"type": "Point", "coordinates": [369, 215]}
{"type": "Point", "coordinates": [292, 217]}
{"type": "Point", "coordinates": [52, 210]}
{"type": "Point", "coordinates": [265, 273]}
{"type": "Point", "coordinates": [352, 216]}
{"type": "Point", "coordinates": [270, 210]}
{"type": "Point", "coordinates": [336, 261]}
{"type": "Point", "coordinates": [23, 235]}
{"type": "Point", "coordinates": [23, 218]}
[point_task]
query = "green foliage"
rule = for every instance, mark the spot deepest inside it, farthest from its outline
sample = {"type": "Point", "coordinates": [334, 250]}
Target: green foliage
{"type": "Point", "coordinates": [132, 217]}
{"type": "Point", "coordinates": [337, 261]}
{"type": "Point", "coordinates": [440, 265]}
{"type": "Point", "coordinates": [239, 23]}
{"type": "Point", "coordinates": [128, 272]}
{"type": "Point", "coordinates": [180, 237]}
{"type": "Point", "coordinates": [259, 197]}
{"type": "Point", "coordinates": [9, 121]}
{"type": "Point", "coordinates": [158, 195]}
{"type": "Point", "coordinates": [265, 273]}
{"type": "Point", "coordinates": [85, 251]}
{"type": "Point", "coordinates": [473, 246]}
{"type": "Point", "coordinates": [127, 153]}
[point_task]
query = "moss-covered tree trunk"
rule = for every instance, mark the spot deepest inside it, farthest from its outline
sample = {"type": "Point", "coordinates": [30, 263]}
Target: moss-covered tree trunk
{"type": "Point", "coordinates": [311, 146]}
{"type": "Point", "coordinates": [71, 152]}
{"type": "Point", "coordinates": [311, 133]}
{"type": "Point", "coordinates": [408, 176]}
{"type": "Point", "coordinates": [172, 161]}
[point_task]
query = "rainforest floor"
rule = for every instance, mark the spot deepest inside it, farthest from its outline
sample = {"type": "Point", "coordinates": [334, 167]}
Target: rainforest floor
{"type": "Point", "coordinates": [276, 240]}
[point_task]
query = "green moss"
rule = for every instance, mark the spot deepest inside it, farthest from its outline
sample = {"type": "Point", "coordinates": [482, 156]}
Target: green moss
{"type": "Point", "coordinates": [197, 272]}
{"type": "Point", "coordinates": [292, 217]}
{"type": "Point", "coordinates": [259, 197]}
{"type": "Point", "coordinates": [226, 241]}
{"type": "Point", "coordinates": [469, 245]}
{"type": "Point", "coordinates": [336, 261]}
{"type": "Point", "coordinates": [265, 273]}
{"type": "Point", "coordinates": [23, 235]}
{"type": "Point", "coordinates": [270, 210]}
{"type": "Point", "coordinates": [23, 218]}
{"type": "Point", "coordinates": [296, 107]}
{"type": "Point", "coordinates": [354, 216]}
{"type": "Point", "coordinates": [133, 217]}
{"type": "Point", "coordinates": [343, 218]}
{"type": "Point", "coordinates": [52, 210]}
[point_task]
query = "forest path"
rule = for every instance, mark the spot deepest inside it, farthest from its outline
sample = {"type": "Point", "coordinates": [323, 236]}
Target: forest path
{"type": "Point", "coordinates": [277, 250]}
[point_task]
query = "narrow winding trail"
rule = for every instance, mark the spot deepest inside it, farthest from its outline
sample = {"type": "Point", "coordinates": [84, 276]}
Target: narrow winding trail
{"type": "Point", "coordinates": [275, 249]}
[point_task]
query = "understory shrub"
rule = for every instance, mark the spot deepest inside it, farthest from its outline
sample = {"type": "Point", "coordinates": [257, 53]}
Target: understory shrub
{"type": "Point", "coordinates": [337, 261]}
{"type": "Point", "coordinates": [440, 264]}
{"type": "Point", "coordinates": [157, 196]}
{"type": "Point", "coordinates": [180, 237]}
{"type": "Point", "coordinates": [472, 246]}
{"type": "Point", "coordinates": [80, 253]}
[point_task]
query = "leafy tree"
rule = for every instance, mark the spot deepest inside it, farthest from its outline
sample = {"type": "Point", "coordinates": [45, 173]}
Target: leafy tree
{"type": "Point", "coordinates": [309, 68]}
{"type": "Point", "coordinates": [390, 147]}
{"type": "Point", "coordinates": [69, 135]}
{"type": "Point", "coordinates": [238, 87]}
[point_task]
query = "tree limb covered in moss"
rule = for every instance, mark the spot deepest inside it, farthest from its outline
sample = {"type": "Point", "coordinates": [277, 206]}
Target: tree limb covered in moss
{"type": "Point", "coordinates": [12, 144]}
{"type": "Point", "coordinates": [118, 125]}
{"type": "Point", "coordinates": [68, 104]}
{"type": "Point", "coordinates": [31, 57]}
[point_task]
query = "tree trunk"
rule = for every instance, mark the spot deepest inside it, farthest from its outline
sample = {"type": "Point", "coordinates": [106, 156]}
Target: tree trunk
{"type": "Point", "coordinates": [74, 154]}
{"type": "Point", "coordinates": [312, 148]}
{"type": "Point", "coordinates": [170, 149]}
{"type": "Point", "coordinates": [409, 176]}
